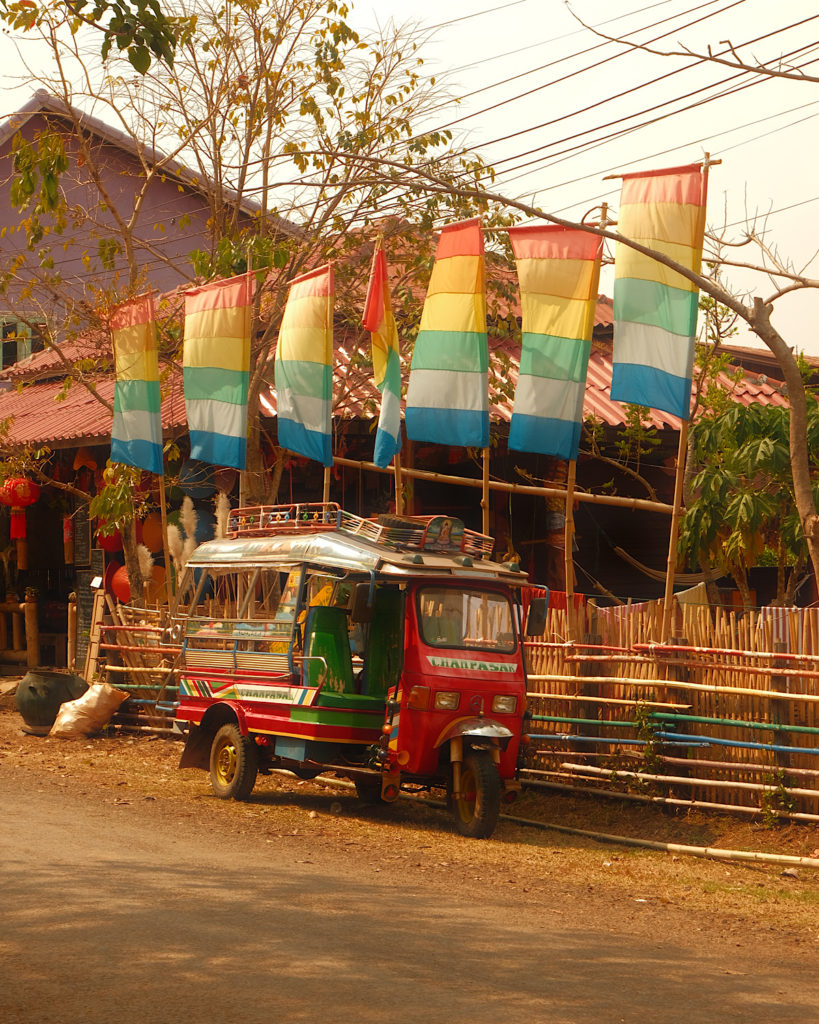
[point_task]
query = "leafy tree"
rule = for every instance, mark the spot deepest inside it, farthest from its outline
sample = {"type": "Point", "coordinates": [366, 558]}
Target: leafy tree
{"type": "Point", "coordinates": [138, 28]}
{"type": "Point", "coordinates": [743, 498]}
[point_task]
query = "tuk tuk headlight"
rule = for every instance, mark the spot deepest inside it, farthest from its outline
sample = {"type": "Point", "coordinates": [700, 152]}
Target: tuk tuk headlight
{"type": "Point", "coordinates": [447, 700]}
{"type": "Point", "coordinates": [504, 705]}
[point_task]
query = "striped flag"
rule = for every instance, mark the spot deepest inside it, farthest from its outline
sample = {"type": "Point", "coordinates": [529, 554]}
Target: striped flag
{"type": "Point", "coordinates": [304, 367]}
{"type": "Point", "coordinates": [216, 369]}
{"type": "Point", "coordinates": [136, 434]}
{"type": "Point", "coordinates": [380, 322]}
{"type": "Point", "coordinates": [655, 309]}
{"type": "Point", "coordinates": [558, 271]}
{"type": "Point", "coordinates": [448, 395]}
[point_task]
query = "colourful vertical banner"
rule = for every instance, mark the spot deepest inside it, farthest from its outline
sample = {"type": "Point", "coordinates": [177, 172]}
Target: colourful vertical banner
{"type": "Point", "coordinates": [304, 367]}
{"type": "Point", "coordinates": [136, 433]}
{"type": "Point", "coordinates": [216, 369]}
{"type": "Point", "coordinates": [378, 319]}
{"type": "Point", "coordinates": [655, 308]}
{"type": "Point", "coordinates": [448, 395]}
{"type": "Point", "coordinates": [558, 271]}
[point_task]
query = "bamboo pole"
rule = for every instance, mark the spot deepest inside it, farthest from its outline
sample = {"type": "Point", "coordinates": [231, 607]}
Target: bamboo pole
{"type": "Point", "coordinates": [325, 494]}
{"type": "Point", "coordinates": [643, 504]}
{"type": "Point", "coordinates": [699, 687]}
{"type": "Point", "coordinates": [163, 513]}
{"type": "Point", "coordinates": [399, 487]}
{"type": "Point", "coordinates": [674, 532]}
{"type": "Point", "coordinates": [674, 802]}
{"type": "Point", "coordinates": [485, 492]}
{"type": "Point", "coordinates": [684, 780]}
{"type": "Point", "coordinates": [568, 537]}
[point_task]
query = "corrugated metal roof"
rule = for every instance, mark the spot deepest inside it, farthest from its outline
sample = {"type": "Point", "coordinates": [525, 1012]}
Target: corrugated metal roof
{"type": "Point", "coordinates": [40, 416]}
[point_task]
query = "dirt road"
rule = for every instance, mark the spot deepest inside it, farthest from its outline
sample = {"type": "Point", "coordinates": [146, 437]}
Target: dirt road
{"type": "Point", "coordinates": [129, 895]}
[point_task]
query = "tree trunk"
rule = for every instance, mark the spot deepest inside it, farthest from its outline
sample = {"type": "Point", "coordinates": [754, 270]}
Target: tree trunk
{"type": "Point", "coordinates": [129, 548]}
{"type": "Point", "coordinates": [760, 322]}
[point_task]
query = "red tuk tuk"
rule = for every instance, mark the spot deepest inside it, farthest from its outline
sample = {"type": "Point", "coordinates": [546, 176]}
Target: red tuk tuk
{"type": "Point", "coordinates": [387, 651]}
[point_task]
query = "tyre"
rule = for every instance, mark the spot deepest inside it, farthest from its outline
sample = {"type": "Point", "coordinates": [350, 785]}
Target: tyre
{"type": "Point", "coordinates": [233, 764]}
{"type": "Point", "coordinates": [476, 810]}
{"type": "Point", "coordinates": [368, 790]}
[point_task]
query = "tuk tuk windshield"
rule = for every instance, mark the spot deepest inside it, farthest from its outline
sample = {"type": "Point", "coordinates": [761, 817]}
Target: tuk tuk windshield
{"type": "Point", "coordinates": [466, 618]}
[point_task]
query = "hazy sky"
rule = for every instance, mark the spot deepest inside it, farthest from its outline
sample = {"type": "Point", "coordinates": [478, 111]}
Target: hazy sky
{"type": "Point", "coordinates": [605, 109]}
{"type": "Point", "coordinates": [555, 109]}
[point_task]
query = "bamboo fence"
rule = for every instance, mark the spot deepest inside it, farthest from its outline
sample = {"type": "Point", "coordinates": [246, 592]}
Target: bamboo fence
{"type": "Point", "coordinates": [725, 716]}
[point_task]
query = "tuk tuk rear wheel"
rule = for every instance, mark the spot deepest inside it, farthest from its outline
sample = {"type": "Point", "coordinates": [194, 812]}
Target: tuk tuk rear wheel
{"type": "Point", "coordinates": [233, 764]}
{"type": "Point", "coordinates": [477, 808]}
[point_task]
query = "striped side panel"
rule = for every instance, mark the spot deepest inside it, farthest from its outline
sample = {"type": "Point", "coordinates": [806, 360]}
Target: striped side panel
{"type": "Point", "coordinates": [558, 272]}
{"type": "Point", "coordinates": [655, 308]}
{"type": "Point", "coordinates": [448, 394]}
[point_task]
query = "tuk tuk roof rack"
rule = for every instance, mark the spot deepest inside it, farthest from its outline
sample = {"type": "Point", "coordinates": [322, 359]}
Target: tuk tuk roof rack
{"type": "Point", "coordinates": [439, 534]}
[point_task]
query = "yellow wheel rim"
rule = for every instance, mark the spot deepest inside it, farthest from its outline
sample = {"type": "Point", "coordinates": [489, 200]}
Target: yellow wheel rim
{"type": "Point", "coordinates": [468, 797]}
{"type": "Point", "coordinates": [226, 763]}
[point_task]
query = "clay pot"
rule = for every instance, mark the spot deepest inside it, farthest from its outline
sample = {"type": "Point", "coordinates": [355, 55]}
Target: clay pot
{"type": "Point", "coordinates": [39, 696]}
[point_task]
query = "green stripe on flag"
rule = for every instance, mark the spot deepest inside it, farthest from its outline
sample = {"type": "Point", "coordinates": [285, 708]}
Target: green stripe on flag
{"type": "Point", "coordinates": [203, 383]}
{"type": "Point", "coordinates": [465, 351]}
{"type": "Point", "coordinates": [544, 355]}
{"type": "Point", "coordinates": [137, 396]}
{"type": "Point", "coordinates": [648, 302]}
{"type": "Point", "coordinates": [305, 378]}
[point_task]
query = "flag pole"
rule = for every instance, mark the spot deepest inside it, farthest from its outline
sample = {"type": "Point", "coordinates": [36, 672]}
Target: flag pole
{"type": "Point", "coordinates": [682, 452]}
{"type": "Point", "coordinates": [399, 487]}
{"type": "Point", "coordinates": [163, 513]}
{"type": "Point", "coordinates": [568, 517]}
{"type": "Point", "coordinates": [485, 493]}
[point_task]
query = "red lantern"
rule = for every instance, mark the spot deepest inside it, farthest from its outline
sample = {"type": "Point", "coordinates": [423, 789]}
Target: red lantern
{"type": "Point", "coordinates": [19, 492]}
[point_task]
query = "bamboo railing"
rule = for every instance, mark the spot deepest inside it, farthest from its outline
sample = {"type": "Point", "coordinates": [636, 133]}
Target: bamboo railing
{"type": "Point", "coordinates": [725, 716]}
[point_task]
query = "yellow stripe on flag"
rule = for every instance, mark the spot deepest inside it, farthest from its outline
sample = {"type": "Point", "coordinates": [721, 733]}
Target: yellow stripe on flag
{"type": "Point", "coordinates": [454, 312]}
{"type": "Point", "coordinates": [563, 318]}
{"type": "Point", "coordinates": [135, 352]}
{"type": "Point", "coordinates": [662, 221]}
{"type": "Point", "coordinates": [457, 274]}
{"type": "Point", "coordinates": [568, 279]}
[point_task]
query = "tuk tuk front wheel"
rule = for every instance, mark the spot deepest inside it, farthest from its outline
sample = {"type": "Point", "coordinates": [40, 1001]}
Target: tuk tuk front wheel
{"type": "Point", "coordinates": [233, 764]}
{"type": "Point", "coordinates": [477, 808]}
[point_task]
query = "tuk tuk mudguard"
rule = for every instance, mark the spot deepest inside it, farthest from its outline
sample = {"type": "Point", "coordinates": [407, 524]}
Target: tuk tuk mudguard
{"type": "Point", "coordinates": [477, 729]}
{"type": "Point", "coordinates": [196, 752]}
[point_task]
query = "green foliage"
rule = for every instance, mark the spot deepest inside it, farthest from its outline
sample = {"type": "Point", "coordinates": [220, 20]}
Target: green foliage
{"type": "Point", "coordinates": [743, 494]}
{"type": "Point", "coordinates": [36, 183]}
{"type": "Point", "coordinates": [772, 802]}
{"type": "Point", "coordinates": [232, 256]}
{"type": "Point", "coordinates": [138, 28]}
{"type": "Point", "coordinates": [114, 505]}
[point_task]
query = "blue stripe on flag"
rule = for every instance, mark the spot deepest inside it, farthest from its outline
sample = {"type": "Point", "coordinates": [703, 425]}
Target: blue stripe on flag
{"type": "Point", "coordinates": [138, 453]}
{"type": "Point", "coordinates": [645, 385]}
{"type": "Point", "coordinates": [218, 449]}
{"type": "Point", "coordinates": [313, 444]}
{"type": "Point", "coordinates": [545, 435]}
{"type": "Point", "coordinates": [465, 427]}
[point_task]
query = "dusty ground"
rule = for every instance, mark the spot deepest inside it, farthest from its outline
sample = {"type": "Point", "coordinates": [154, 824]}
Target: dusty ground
{"type": "Point", "coordinates": [731, 903]}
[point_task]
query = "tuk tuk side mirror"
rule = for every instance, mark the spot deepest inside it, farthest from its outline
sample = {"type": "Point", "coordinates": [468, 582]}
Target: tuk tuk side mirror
{"type": "Point", "coordinates": [361, 609]}
{"type": "Point", "coordinates": [536, 617]}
